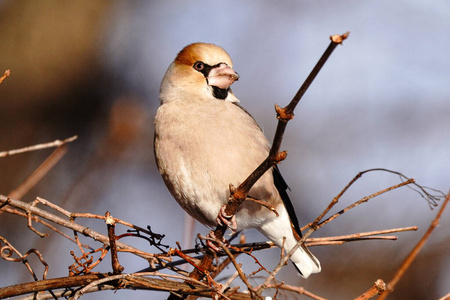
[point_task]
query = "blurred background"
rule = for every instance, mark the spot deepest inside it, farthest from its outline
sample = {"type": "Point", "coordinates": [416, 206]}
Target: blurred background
{"type": "Point", "coordinates": [93, 68]}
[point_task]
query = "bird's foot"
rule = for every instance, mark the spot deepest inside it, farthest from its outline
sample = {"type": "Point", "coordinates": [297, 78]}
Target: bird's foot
{"type": "Point", "coordinates": [210, 237]}
{"type": "Point", "coordinates": [224, 219]}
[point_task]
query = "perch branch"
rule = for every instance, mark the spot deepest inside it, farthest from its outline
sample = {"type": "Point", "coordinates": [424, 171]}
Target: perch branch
{"type": "Point", "coordinates": [275, 156]}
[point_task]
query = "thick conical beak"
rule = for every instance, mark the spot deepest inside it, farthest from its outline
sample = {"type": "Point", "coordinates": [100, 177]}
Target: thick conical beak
{"type": "Point", "coordinates": [222, 76]}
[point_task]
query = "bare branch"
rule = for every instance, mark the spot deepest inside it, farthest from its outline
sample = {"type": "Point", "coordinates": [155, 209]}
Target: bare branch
{"type": "Point", "coordinates": [131, 281]}
{"type": "Point", "coordinates": [432, 199]}
{"type": "Point", "coordinates": [110, 223]}
{"type": "Point", "coordinates": [244, 278]}
{"type": "Point", "coordinates": [7, 250]}
{"type": "Point", "coordinates": [296, 289]}
{"type": "Point", "coordinates": [74, 226]}
{"type": "Point", "coordinates": [56, 143]}
{"type": "Point", "coordinates": [363, 200]}
{"type": "Point", "coordinates": [415, 251]}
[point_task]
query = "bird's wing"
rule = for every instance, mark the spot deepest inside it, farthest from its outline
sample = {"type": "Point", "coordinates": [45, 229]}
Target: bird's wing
{"type": "Point", "coordinates": [282, 188]}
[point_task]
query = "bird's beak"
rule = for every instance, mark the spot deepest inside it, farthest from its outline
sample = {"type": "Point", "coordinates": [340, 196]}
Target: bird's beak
{"type": "Point", "coordinates": [222, 76]}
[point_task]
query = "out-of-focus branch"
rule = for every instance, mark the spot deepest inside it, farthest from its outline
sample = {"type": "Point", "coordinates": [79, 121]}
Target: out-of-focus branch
{"type": "Point", "coordinates": [39, 173]}
{"type": "Point", "coordinates": [415, 251]}
{"type": "Point", "coordinates": [6, 74]}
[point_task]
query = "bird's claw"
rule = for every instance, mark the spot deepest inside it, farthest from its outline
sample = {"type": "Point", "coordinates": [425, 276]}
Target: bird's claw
{"type": "Point", "coordinates": [226, 220]}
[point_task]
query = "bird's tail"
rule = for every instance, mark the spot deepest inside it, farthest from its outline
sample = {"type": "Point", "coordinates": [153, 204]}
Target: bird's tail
{"type": "Point", "coordinates": [278, 231]}
{"type": "Point", "coordinates": [304, 261]}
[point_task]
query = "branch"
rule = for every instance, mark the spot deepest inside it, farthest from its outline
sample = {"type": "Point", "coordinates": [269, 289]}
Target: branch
{"type": "Point", "coordinates": [98, 282]}
{"type": "Point", "coordinates": [27, 207]}
{"type": "Point", "coordinates": [111, 224]}
{"type": "Point", "coordinates": [415, 251]}
{"type": "Point", "coordinates": [363, 200]}
{"type": "Point", "coordinates": [296, 289]}
{"type": "Point", "coordinates": [56, 143]}
{"type": "Point", "coordinates": [39, 173]}
{"type": "Point", "coordinates": [432, 199]}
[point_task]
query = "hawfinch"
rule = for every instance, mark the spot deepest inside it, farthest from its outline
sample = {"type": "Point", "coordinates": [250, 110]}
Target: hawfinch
{"type": "Point", "coordinates": [205, 141]}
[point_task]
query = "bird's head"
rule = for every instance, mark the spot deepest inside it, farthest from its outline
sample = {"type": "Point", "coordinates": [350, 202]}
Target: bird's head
{"type": "Point", "coordinates": [201, 70]}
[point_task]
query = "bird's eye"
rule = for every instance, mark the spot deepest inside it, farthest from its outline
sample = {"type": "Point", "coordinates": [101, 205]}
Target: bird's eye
{"type": "Point", "coordinates": [199, 65]}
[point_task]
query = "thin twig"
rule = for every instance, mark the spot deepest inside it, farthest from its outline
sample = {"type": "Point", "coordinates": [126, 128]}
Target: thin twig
{"type": "Point", "coordinates": [414, 252]}
{"type": "Point", "coordinates": [239, 270]}
{"type": "Point", "coordinates": [432, 199]}
{"type": "Point", "coordinates": [38, 220]}
{"type": "Point", "coordinates": [363, 200]}
{"type": "Point", "coordinates": [357, 236]}
{"type": "Point", "coordinates": [227, 261]}
{"type": "Point", "coordinates": [314, 227]}
{"type": "Point", "coordinates": [7, 251]}
{"type": "Point", "coordinates": [74, 226]}
{"type": "Point", "coordinates": [56, 143]}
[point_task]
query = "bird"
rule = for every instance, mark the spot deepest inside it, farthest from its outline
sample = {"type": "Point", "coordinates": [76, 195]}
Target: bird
{"type": "Point", "coordinates": [205, 140]}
